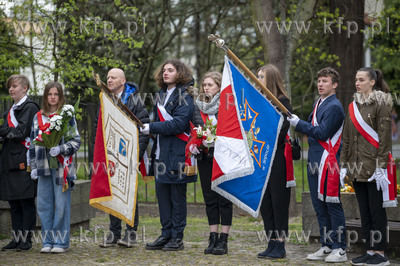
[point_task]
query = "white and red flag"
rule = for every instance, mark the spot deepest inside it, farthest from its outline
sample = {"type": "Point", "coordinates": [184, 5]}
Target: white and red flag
{"type": "Point", "coordinates": [247, 134]}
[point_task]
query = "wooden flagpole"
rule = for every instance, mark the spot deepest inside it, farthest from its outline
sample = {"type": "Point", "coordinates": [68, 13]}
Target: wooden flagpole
{"type": "Point", "coordinates": [221, 44]}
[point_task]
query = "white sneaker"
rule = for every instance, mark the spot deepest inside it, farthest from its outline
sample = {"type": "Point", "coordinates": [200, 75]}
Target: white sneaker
{"type": "Point", "coordinates": [320, 254]}
{"type": "Point", "coordinates": [59, 250]}
{"type": "Point", "coordinates": [45, 250]}
{"type": "Point", "coordinates": [337, 255]}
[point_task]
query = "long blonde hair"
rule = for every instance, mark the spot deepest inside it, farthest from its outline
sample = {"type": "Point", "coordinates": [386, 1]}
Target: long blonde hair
{"type": "Point", "coordinates": [273, 80]}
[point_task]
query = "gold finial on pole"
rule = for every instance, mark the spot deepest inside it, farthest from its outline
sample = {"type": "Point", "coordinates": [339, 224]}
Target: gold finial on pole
{"type": "Point", "coordinates": [221, 44]}
{"type": "Point", "coordinates": [218, 41]}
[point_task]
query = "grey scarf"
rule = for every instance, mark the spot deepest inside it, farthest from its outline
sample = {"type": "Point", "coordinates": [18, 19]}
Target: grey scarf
{"type": "Point", "coordinates": [210, 108]}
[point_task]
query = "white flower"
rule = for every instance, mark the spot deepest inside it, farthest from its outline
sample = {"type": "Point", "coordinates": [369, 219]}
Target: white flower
{"type": "Point", "coordinates": [210, 138]}
{"type": "Point", "coordinates": [68, 110]}
{"type": "Point", "coordinates": [55, 118]}
{"type": "Point", "coordinates": [67, 107]}
{"type": "Point", "coordinates": [58, 128]}
{"type": "Point", "coordinates": [199, 130]}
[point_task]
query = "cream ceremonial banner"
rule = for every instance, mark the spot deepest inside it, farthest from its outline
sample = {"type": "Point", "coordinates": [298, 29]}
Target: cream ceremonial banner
{"type": "Point", "coordinates": [114, 191]}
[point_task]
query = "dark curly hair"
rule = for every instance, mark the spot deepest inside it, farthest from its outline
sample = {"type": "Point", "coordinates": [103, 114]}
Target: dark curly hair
{"type": "Point", "coordinates": [329, 72]}
{"type": "Point", "coordinates": [184, 75]}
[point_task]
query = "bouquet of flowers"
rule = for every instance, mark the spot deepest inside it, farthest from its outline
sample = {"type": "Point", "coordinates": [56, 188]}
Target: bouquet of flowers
{"type": "Point", "coordinates": [201, 137]}
{"type": "Point", "coordinates": [51, 133]}
{"type": "Point", "coordinates": [57, 127]}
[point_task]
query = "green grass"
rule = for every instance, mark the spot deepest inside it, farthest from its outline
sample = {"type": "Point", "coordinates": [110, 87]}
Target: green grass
{"type": "Point", "coordinates": [193, 191]}
{"type": "Point", "coordinates": [298, 173]}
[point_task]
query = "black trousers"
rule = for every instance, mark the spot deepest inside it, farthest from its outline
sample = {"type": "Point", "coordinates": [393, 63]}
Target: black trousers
{"type": "Point", "coordinates": [115, 223]}
{"type": "Point", "coordinates": [23, 217]}
{"type": "Point", "coordinates": [275, 204]}
{"type": "Point", "coordinates": [373, 215]}
{"type": "Point", "coordinates": [219, 209]}
{"type": "Point", "coordinates": [172, 208]}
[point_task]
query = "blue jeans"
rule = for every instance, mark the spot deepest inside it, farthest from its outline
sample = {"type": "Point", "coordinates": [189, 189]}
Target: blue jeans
{"type": "Point", "coordinates": [54, 209]}
{"type": "Point", "coordinates": [331, 220]}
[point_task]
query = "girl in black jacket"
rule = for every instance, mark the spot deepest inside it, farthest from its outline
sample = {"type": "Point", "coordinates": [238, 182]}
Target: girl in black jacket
{"type": "Point", "coordinates": [275, 204]}
{"type": "Point", "coordinates": [16, 185]}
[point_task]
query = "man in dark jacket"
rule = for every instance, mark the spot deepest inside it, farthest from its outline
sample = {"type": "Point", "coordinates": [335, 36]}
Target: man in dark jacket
{"type": "Point", "coordinates": [126, 91]}
{"type": "Point", "coordinates": [325, 125]}
{"type": "Point", "coordinates": [173, 112]}
{"type": "Point", "coordinates": [16, 185]}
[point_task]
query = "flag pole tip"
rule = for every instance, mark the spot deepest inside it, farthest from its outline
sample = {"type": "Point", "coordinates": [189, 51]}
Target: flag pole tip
{"type": "Point", "coordinates": [217, 39]}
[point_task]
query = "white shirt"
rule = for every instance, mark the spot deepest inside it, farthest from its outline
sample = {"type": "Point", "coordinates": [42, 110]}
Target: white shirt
{"type": "Point", "coordinates": [322, 100]}
{"type": "Point", "coordinates": [168, 95]}
{"type": "Point", "coordinates": [20, 102]}
{"type": "Point", "coordinates": [119, 95]}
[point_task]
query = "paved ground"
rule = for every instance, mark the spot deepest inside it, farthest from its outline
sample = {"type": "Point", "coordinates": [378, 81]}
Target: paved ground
{"type": "Point", "coordinates": [244, 244]}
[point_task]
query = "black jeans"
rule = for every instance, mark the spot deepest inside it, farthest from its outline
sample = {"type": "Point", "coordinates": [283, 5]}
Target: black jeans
{"type": "Point", "coordinates": [115, 223]}
{"type": "Point", "coordinates": [275, 203]}
{"type": "Point", "coordinates": [23, 218]}
{"type": "Point", "coordinates": [373, 215]}
{"type": "Point", "coordinates": [219, 209]}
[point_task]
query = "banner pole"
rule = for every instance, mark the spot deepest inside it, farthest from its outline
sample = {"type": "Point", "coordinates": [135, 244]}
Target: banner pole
{"type": "Point", "coordinates": [221, 44]}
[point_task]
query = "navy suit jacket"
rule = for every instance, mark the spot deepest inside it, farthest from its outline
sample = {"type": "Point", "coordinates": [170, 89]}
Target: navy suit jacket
{"type": "Point", "coordinates": [330, 117]}
{"type": "Point", "coordinates": [180, 106]}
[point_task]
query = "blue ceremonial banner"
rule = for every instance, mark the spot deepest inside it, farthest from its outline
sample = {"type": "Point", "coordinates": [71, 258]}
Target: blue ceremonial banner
{"type": "Point", "coordinates": [260, 123]}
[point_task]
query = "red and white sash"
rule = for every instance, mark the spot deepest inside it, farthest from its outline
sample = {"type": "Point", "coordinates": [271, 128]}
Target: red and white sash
{"type": "Point", "coordinates": [389, 192]}
{"type": "Point", "coordinates": [165, 116]}
{"type": "Point", "coordinates": [191, 162]}
{"type": "Point", "coordinates": [206, 117]}
{"type": "Point", "coordinates": [328, 171]}
{"type": "Point", "coordinates": [144, 165]}
{"type": "Point", "coordinates": [290, 180]}
{"type": "Point", "coordinates": [43, 127]}
{"type": "Point", "coordinates": [12, 122]}
{"type": "Point", "coordinates": [64, 160]}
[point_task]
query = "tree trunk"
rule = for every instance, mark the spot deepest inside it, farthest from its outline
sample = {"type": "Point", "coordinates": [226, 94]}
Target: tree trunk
{"type": "Point", "coordinates": [277, 46]}
{"type": "Point", "coordinates": [349, 50]}
{"type": "Point", "coordinates": [271, 40]}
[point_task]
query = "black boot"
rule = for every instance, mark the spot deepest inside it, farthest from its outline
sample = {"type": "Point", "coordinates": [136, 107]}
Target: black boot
{"type": "Point", "coordinates": [271, 246]}
{"type": "Point", "coordinates": [212, 241]}
{"type": "Point", "coordinates": [12, 245]}
{"type": "Point", "coordinates": [278, 252]}
{"type": "Point", "coordinates": [222, 245]}
{"type": "Point", "coordinates": [129, 239]}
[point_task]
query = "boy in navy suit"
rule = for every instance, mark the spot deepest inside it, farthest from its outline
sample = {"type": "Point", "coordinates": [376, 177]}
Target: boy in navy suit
{"type": "Point", "coordinates": [323, 128]}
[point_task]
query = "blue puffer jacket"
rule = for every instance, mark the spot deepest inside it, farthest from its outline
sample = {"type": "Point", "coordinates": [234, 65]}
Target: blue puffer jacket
{"type": "Point", "coordinates": [170, 166]}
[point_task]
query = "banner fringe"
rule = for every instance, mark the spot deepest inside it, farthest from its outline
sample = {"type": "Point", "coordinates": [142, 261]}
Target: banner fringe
{"type": "Point", "coordinates": [291, 183]}
{"type": "Point", "coordinates": [390, 203]}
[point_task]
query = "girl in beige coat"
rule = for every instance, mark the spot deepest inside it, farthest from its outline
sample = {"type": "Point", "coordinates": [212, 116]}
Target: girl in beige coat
{"type": "Point", "coordinates": [365, 162]}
